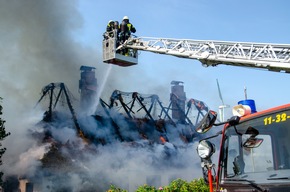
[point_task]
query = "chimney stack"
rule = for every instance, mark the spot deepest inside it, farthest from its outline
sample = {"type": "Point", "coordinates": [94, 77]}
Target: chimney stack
{"type": "Point", "coordinates": [178, 98]}
{"type": "Point", "coordinates": [87, 87]}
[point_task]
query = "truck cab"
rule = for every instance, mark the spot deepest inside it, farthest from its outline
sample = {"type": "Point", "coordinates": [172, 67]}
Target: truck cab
{"type": "Point", "coordinates": [254, 152]}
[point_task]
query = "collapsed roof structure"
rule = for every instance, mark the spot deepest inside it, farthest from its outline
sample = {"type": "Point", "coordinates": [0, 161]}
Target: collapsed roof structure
{"type": "Point", "coordinates": [142, 113]}
{"type": "Point", "coordinates": [129, 119]}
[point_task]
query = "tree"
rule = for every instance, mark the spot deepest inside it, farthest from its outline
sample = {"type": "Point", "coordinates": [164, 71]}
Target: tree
{"type": "Point", "coordinates": [3, 135]}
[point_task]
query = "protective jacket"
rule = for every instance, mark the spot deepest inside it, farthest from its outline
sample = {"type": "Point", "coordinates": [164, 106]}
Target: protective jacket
{"type": "Point", "coordinates": [127, 27]}
{"type": "Point", "coordinates": [110, 27]}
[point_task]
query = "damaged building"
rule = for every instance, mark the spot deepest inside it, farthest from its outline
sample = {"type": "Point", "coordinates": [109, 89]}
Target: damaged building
{"type": "Point", "coordinates": [138, 123]}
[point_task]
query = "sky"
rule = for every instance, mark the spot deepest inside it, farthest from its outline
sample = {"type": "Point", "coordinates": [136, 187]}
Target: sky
{"type": "Point", "coordinates": [246, 21]}
{"type": "Point", "coordinates": [47, 41]}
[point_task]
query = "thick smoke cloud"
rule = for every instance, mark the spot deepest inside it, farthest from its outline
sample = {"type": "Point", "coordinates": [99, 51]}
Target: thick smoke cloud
{"type": "Point", "coordinates": [38, 47]}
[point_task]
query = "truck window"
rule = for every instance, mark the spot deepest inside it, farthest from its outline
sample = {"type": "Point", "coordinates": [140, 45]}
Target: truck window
{"type": "Point", "coordinates": [260, 158]}
{"type": "Point", "coordinates": [248, 159]}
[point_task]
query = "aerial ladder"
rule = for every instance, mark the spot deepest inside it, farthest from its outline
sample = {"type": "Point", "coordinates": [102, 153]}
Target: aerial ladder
{"type": "Point", "coordinates": [268, 56]}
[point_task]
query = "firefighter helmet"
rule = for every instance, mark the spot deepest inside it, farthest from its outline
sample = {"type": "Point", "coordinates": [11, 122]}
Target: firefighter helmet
{"type": "Point", "coordinates": [111, 21]}
{"type": "Point", "coordinates": [125, 17]}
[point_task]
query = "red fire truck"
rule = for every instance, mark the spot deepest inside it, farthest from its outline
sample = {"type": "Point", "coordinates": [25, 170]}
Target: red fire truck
{"type": "Point", "coordinates": [253, 154]}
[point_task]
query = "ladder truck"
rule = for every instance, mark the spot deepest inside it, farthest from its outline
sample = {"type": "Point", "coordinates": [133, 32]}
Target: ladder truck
{"type": "Point", "coordinates": [254, 154]}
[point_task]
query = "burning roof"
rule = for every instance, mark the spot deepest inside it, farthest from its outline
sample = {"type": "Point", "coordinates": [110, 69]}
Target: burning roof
{"type": "Point", "coordinates": [130, 125]}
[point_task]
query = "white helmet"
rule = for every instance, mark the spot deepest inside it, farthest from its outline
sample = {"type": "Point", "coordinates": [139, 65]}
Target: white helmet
{"type": "Point", "coordinates": [111, 21]}
{"type": "Point", "coordinates": [125, 17]}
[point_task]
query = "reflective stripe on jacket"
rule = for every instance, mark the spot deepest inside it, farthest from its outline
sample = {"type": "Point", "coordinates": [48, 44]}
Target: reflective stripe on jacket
{"type": "Point", "coordinates": [131, 27]}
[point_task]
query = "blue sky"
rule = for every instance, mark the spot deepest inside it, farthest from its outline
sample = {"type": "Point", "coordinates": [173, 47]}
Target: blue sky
{"type": "Point", "coordinates": [227, 20]}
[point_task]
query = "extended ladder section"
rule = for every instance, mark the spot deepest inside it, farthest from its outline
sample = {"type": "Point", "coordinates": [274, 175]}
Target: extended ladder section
{"type": "Point", "coordinates": [273, 57]}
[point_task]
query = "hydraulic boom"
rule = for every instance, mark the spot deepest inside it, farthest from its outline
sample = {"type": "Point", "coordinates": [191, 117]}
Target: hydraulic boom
{"type": "Point", "coordinates": [273, 57]}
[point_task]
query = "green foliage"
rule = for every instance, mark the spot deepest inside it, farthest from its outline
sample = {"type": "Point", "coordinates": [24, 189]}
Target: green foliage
{"type": "Point", "coordinates": [199, 185]}
{"type": "Point", "coordinates": [3, 135]}
{"type": "Point", "coordinates": [178, 185]}
{"type": "Point", "coordinates": [113, 188]}
{"type": "Point", "coordinates": [146, 188]}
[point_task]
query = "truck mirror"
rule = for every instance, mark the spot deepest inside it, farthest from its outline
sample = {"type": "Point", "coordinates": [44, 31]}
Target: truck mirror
{"type": "Point", "coordinates": [207, 122]}
{"type": "Point", "coordinates": [253, 142]}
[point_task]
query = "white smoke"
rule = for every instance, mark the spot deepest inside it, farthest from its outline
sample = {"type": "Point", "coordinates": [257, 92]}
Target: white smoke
{"type": "Point", "coordinates": [29, 161]}
{"type": "Point", "coordinates": [37, 48]}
